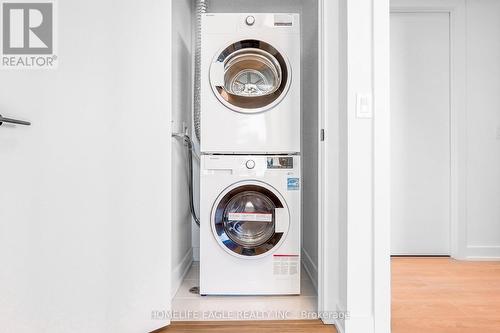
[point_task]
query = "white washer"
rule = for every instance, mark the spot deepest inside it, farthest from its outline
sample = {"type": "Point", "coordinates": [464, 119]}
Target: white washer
{"type": "Point", "coordinates": [250, 83]}
{"type": "Point", "coordinates": [250, 225]}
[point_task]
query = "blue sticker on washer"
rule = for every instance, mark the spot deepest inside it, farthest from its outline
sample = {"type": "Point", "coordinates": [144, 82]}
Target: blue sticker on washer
{"type": "Point", "coordinates": [293, 184]}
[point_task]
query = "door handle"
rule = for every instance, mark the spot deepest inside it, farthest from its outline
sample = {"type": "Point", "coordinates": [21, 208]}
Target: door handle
{"type": "Point", "coordinates": [281, 218]}
{"type": "Point", "coordinates": [13, 121]}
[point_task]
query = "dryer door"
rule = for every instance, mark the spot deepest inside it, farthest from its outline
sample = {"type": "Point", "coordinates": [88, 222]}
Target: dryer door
{"type": "Point", "coordinates": [250, 76]}
{"type": "Point", "coordinates": [250, 219]}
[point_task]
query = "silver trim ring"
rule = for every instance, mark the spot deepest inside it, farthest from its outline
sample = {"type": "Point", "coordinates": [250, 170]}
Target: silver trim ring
{"type": "Point", "coordinates": [252, 104]}
{"type": "Point", "coordinates": [216, 222]}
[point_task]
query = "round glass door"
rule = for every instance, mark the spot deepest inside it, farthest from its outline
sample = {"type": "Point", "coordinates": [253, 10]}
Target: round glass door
{"type": "Point", "coordinates": [244, 220]}
{"type": "Point", "coordinates": [248, 219]}
{"type": "Point", "coordinates": [252, 73]}
{"type": "Point", "coordinates": [250, 76]}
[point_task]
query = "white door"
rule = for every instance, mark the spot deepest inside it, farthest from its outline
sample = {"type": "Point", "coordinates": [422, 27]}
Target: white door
{"type": "Point", "coordinates": [85, 190]}
{"type": "Point", "coordinates": [420, 104]}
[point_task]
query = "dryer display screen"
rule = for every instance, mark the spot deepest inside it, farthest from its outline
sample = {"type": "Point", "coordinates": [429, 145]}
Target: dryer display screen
{"type": "Point", "coordinates": [280, 162]}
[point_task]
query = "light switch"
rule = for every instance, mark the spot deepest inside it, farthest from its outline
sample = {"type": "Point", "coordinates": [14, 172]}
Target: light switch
{"type": "Point", "coordinates": [364, 106]}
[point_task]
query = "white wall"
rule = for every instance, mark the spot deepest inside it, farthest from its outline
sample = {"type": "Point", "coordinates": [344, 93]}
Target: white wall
{"type": "Point", "coordinates": [483, 129]}
{"type": "Point", "coordinates": [89, 251]}
{"type": "Point", "coordinates": [181, 116]}
{"type": "Point", "coordinates": [310, 133]}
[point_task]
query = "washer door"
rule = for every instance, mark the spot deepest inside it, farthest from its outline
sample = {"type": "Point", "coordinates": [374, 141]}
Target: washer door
{"type": "Point", "coordinates": [250, 76]}
{"type": "Point", "coordinates": [250, 219]}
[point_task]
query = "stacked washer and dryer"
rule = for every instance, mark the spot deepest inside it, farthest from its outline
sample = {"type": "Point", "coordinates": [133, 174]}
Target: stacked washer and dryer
{"type": "Point", "coordinates": [250, 154]}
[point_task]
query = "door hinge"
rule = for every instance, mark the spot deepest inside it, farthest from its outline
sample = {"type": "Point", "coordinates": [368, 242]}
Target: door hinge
{"type": "Point", "coordinates": [322, 135]}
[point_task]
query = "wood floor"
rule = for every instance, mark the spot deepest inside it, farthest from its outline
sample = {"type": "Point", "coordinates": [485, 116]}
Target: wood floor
{"type": "Point", "coordinates": [441, 295]}
{"type": "Point", "coordinates": [288, 326]}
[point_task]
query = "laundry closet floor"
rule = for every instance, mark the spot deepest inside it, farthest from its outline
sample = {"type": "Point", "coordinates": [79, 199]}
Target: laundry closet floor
{"type": "Point", "coordinates": [193, 307]}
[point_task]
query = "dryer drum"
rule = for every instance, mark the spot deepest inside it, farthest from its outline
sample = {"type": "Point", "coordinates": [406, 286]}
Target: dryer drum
{"type": "Point", "coordinates": [252, 73]}
{"type": "Point", "coordinates": [256, 76]}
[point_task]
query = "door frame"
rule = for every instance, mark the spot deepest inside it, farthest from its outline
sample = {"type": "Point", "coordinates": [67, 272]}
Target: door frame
{"type": "Point", "coordinates": [332, 38]}
{"type": "Point", "coordinates": [328, 147]}
{"type": "Point", "coordinates": [381, 168]}
{"type": "Point", "coordinates": [458, 130]}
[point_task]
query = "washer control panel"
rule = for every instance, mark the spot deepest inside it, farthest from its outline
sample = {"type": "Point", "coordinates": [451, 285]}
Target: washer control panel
{"type": "Point", "coordinates": [250, 20]}
{"type": "Point", "coordinates": [280, 162]}
{"type": "Point", "coordinates": [250, 164]}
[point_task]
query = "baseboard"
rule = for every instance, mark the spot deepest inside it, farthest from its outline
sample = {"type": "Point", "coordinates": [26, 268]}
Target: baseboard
{"type": "Point", "coordinates": [339, 325]}
{"type": "Point", "coordinates": [311, 268]}
{"type": "Point", "coordinates": [479, 252]}
{"type": "Point", "coordinates": [180, 271]}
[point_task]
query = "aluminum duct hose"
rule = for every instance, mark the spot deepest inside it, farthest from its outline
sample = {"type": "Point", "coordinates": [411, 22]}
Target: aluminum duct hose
{"type": "Point", "coordinates": [201, 8]}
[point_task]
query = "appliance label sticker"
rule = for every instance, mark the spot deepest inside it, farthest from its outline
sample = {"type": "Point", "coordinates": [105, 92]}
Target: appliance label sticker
{"type": "Point", "coordinates": [286, 265]}
{"type": "Point", "coordinates": [293, 184]}
{"type": "Point", "coordinates": [250, 217]}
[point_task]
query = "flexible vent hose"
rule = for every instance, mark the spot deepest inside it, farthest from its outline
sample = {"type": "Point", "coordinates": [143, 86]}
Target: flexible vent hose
{"type": "Point", "coordinates": [201, 8]}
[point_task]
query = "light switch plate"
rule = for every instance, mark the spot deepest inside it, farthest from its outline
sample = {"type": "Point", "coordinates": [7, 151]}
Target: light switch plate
{"type": "Point", "coordinates": [364, 106]}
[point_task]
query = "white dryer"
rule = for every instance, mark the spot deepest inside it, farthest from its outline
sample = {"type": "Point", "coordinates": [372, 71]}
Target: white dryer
{"type": "Point", "coordinates": [250, 83]}
{"type": "Point", "coordinates": [250, 225]}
